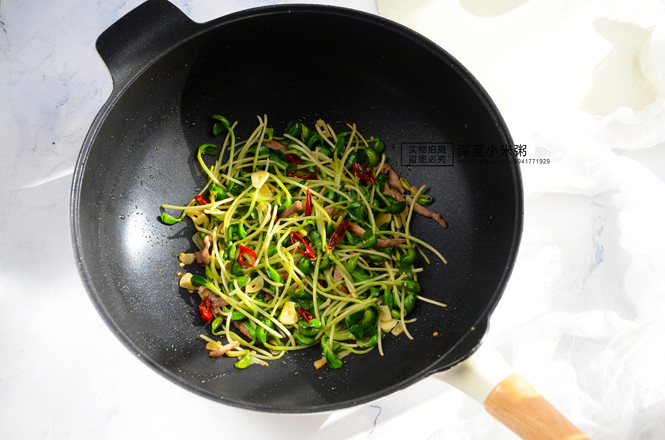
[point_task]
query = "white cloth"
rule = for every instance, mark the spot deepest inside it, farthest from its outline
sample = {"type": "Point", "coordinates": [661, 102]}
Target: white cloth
{"type": "Point", "coordinates": [581, 84]}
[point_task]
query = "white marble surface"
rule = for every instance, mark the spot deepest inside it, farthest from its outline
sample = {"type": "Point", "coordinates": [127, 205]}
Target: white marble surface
{"type": "Point", "coordinates": [580, 83]}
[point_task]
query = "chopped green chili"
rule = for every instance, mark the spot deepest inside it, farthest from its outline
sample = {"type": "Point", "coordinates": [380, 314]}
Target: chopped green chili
{"type": "Point", "coordinates": [244, 361]}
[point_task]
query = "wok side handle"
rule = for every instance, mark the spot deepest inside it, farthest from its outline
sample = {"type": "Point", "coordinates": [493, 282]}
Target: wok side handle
{"type": "Point", "coordinates": [140, 36]}
{"type": "Point", "coordinates": [509, 398]}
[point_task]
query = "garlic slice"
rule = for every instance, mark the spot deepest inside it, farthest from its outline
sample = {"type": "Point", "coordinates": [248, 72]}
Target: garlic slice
{"type": "Point", "coordinates": [186, 282]}
{"type": "Point", "coordinates": [259, 178]}
{"type": "Point", "coordinates": [265, 191]}
{"type": "Point", "coordinates": [289, 316]}
{"type": "Point", "coordinates": [255, 285]}
{"type": "Point", "coordinates": [187, 258]}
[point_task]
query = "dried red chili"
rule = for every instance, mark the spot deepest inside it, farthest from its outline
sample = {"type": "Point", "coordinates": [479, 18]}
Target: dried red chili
{"type": "Point", "coordinates": [363, 172]}
{"type": "Point", "coordinates": [337, 236]}
{"type": "Point", "coordinates": [304, 314]}
{"type": "Point", "coordinates": [303, 174]}
{"type": "Point", "coordinates": [244, 250]}
{"type": "Point", "coordinates": [204, 309]}
{"type": "Point", "coordinates": [293, 159]}
{"type": "Point", "coordinates": [308, 203]}
{"type": "Point", "coordinates": [201, 200]}
{"type": "Point", "coordinates": [296, 239]}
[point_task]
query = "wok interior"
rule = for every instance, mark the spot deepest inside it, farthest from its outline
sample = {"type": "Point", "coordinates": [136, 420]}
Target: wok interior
{"type": "Point", "coordinates": [304, 64]}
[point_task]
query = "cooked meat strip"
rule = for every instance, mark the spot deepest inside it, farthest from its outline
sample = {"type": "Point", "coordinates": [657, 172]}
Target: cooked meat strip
{"type": "Point", "coordinates": [242, 328]}
{"type": "Point", "coordinates": [217, 301]}
{"type": "Point", "coordinates": [393, 178]}
{"type": "Point", "coordinates": [221, 351]}
{"type": "Point", "coordinates": [387, 189]}
{"type": "Point", "coordinates": [358, 230]}
{"type": "Point", "coordinates": [393, 187]}
{"type": "Point", "coordinates": [394, 184]}
{"type": "Point", "coordinates": [275, 145]}
{"type": "Point", "coordinates": [203, 256]}
{"type": "Point", "coordinates": [333, 212]}
{"type": "Point", "coordinates": [296, 206]}
{"type": "Point", "coordinates": [337, 277]}
{"type": "Point", "coordinates": [420, 209]}
{"type": "Point", "coordinates": [355, 228]}
{"type": "Point", "coordinates": [387, 242]}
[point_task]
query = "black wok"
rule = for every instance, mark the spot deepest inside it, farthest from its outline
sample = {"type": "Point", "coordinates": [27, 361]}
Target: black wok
{"type": "Point", "coordinates": [298, 62]}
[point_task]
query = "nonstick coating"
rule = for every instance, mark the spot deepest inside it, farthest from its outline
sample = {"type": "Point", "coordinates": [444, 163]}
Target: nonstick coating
{"type": "Point", "coordinates": [297, 62]}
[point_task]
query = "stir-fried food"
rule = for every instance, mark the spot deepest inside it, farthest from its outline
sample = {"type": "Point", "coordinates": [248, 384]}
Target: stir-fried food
{"type": "Point", "coordinates": [303, 240]}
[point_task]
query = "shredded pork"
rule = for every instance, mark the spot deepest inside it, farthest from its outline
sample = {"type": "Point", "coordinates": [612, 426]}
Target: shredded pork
{"type": "Point", "coordinates": [358, 230]}
{"type": "Point", "coordinates": [295, 207]}
{"type": "Point", "coordinates": [387, 242]}
{"type": "Point", "coordinates": [394, 187]}
{"type": "Point", "coordinates": [420, 209]}
{"type": "Point", "coordinates": [393, 178]}
{"type": "Point", "coordinates": [275, 145]}
{"type": "Point", "coordinates": [355, 228]}
{"type": "Point", "coordinates": [224, 349]}
{"type": "Point", "coordinates": [203, 256]}
{"type": "Point", "coordinates": [242, 328]}
{"type": "Point", "coordinates": [337, 277]}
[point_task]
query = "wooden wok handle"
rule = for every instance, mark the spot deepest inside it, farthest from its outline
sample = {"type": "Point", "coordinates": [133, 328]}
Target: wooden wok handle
{"type": "Point", "coordinates": [508, 397]}
{"type": "Point", "coordinates": [516, 404]}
